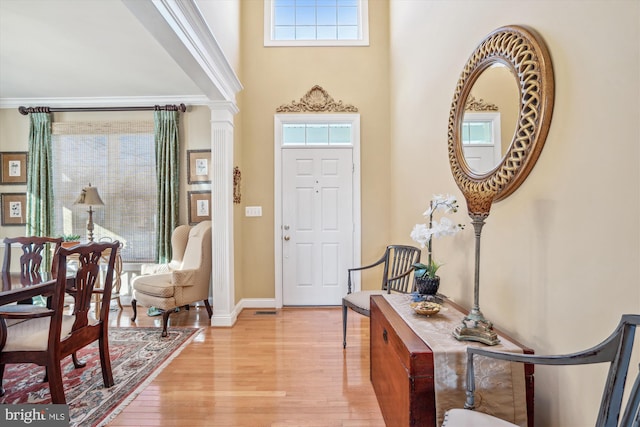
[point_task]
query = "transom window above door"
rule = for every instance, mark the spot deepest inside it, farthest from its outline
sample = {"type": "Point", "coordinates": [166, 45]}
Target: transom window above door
{"type": "Point", "coordinates": [316, 23]}
{"type": "Point", "coordinates": [316, 134]}
{"type": "Point", "coordinates": [477, 132]}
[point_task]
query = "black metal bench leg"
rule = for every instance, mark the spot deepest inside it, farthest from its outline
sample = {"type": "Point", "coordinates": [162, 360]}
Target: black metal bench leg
{"type": "Point", "coordinates": [344, 326]}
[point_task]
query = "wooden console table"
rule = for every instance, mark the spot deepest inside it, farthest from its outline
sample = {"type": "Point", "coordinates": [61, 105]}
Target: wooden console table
{"type": "Point", "coordinates": [403, 370]}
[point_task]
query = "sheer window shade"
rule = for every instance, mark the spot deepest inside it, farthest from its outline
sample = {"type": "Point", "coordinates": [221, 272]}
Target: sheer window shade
{"type": "Point", "coordinates": [118, 158]}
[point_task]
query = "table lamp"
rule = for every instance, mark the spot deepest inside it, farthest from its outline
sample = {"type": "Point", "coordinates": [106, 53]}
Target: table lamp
{"type": "Point", "coordinates": [89, 196]}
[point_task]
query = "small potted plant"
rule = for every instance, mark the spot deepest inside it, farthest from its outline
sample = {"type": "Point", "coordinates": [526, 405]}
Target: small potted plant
{"type": "Point", "coordinates": [427, 281]}
{"type": "Point", "coordinates": [69, 240]}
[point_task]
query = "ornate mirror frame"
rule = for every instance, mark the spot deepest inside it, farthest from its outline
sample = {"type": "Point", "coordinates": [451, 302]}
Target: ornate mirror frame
{"type": "Point", "coordinates": [524, 52]}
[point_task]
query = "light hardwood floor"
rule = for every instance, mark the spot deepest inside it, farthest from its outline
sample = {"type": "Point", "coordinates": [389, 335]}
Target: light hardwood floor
{"type": "Point", "coordinates": [282, 369]}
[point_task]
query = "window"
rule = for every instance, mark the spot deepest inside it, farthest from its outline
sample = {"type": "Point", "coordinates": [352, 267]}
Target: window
{"type": "Point", "coordinates": [118, 158]}
{"type": "Point", "coordinates": [316, 23]}
{"type": "Point", "coordinates": [477, 132]}
{"type": "Point", "coordinates": [316, 134]}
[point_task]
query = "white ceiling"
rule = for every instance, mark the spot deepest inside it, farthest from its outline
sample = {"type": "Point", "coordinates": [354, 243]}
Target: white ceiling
{"type": "Point", "coordinates": [74, 49]}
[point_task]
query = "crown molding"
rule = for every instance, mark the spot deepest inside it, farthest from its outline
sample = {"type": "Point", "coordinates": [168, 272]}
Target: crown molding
{"type": "Point", "coordinates": [123, 101]}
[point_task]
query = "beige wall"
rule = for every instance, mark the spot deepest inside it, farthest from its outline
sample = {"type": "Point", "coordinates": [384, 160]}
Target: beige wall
{"type": "Point", "coordinates": [14, 135]}
{"type": "Point", "coordinates": [560, 257]}
{"type": "Point", "coordinates": [223, 17]}
{"type": "Point", "coordinates": [274, 76]}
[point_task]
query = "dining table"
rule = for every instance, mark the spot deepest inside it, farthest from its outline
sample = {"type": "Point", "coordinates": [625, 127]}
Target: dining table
{"type": "Point", "coordinates": [17, 287]}
{"type": "Point", "coordinates": [21, 289]}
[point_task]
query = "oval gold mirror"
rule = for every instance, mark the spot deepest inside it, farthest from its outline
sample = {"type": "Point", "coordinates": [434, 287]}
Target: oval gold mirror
{"type": "Point", "coordinates": [523, 53]}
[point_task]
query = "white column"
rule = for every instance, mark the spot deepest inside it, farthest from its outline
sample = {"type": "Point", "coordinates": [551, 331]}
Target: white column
{"type": "Point", "coordinates": [222, 275]}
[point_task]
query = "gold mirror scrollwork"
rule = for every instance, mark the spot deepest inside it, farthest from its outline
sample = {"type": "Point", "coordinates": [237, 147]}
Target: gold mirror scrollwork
{"type": "Point", "coordinates": [524, 52]}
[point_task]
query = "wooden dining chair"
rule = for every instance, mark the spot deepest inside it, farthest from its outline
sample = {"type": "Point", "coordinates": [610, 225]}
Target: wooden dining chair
{"type": "Point", "coordinates": [615, 350]}
{"type": "Point", "coordinates": [48, 335]}
{"type": "Point", "coordinates": [33, 253]}
{"type": "Point", "coordinates": [397, 262]}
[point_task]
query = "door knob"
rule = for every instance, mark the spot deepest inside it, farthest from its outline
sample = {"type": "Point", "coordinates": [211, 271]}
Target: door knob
{"type": "Point", "coordinates": [287, 238]}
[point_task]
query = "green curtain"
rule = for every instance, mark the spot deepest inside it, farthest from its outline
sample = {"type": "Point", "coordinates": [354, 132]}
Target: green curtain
{"type": "Point", "coordinates": [39, 213]}
{"type": "Point", "coordinates": [167, 177]}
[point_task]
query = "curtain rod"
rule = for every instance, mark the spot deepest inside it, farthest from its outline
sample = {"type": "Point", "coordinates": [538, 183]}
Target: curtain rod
{"type": "Point", "coordinates": [26, 110]}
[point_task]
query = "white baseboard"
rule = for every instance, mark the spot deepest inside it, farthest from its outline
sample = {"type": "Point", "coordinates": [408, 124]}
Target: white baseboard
{"type": "Point", "coordinates": [228, 320]}
{"type": "Point", "coordinates": [225, 320]}
{"type": "Point", "coordinates": [258, 303]}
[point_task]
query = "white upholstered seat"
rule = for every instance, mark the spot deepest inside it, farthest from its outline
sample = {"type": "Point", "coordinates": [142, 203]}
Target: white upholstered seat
{"type": "Point", "coordinates": [362, 298]}
{"type": "Point", "coordinates": [467, 418]}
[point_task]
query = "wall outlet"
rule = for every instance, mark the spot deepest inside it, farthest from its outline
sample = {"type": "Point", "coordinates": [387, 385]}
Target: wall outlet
{"type": "Point", "coordinates": [253, 211]}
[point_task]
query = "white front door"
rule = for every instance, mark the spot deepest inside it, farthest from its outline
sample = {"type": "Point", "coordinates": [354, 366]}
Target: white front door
{"type": "Point", "coordinates": [481, 158]}
{"type": "Point", "coordinates": [317, 224]}
{"type": "Point", "coordinates": [481, 141]}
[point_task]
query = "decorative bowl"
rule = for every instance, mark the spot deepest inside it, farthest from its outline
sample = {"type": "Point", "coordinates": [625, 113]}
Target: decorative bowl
{"type": "Point", "coordinates": [426, 308]}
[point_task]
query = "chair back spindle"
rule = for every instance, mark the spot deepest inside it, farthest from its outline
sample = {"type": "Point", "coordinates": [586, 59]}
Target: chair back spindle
{"type": "Point", "coordinates": [397, 276]}
{"type": "Point", "coordinates": [33, 253]}
{"type": "Point", "coordinates": [86, 278]}
{"type": "Point", "coordinates": [400, 260]}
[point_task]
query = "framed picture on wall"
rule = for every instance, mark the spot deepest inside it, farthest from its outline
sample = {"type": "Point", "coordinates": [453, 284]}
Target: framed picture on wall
{"type": "Point", "coordinates": [14, 208]}
{"type": "Point", "coordinates": [199, 166]}
{"type": "Point", "coordinates": [14, 167]}
{"type": "Point", "coordinates": [199, 206]}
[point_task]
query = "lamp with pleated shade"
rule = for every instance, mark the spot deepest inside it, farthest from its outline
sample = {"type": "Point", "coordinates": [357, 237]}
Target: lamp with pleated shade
{"type": "Point", "coordinates": [89, 197]}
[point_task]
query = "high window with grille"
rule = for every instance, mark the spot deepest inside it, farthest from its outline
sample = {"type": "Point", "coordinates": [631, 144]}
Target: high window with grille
{"type": "Point", "coordinates": [316, 23]}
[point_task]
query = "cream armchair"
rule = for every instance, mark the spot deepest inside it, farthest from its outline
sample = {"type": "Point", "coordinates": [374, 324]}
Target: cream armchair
{"type": "Point", "coordinates": [179, 239]}
{"type": "Point", "coordinates": [183, 281]}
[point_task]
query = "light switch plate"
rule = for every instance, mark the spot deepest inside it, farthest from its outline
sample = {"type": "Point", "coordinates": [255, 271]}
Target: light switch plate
{"type": "Point", "coordinates": [253, 211]}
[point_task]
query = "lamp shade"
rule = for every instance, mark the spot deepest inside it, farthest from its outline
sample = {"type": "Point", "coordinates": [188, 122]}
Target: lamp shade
{"type": "Point", "coordinates": [89, 196]}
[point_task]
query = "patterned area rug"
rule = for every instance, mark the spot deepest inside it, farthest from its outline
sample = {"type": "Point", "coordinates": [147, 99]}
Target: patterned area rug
{"type": "Point", "coordinates": [137, 356]}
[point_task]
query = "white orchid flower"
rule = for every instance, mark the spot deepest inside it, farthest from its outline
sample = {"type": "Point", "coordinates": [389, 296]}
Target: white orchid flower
{"type": "Point", "coordinates": [428, 212]}
{"type": "Point", "coordinates": [421, 234]}
{"type": "Point", "coordinates": [445, 228]}
{"type": "Point", "coordinates": [446, 203]}
{"type": "Point", "coordinates": [424, 233]}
